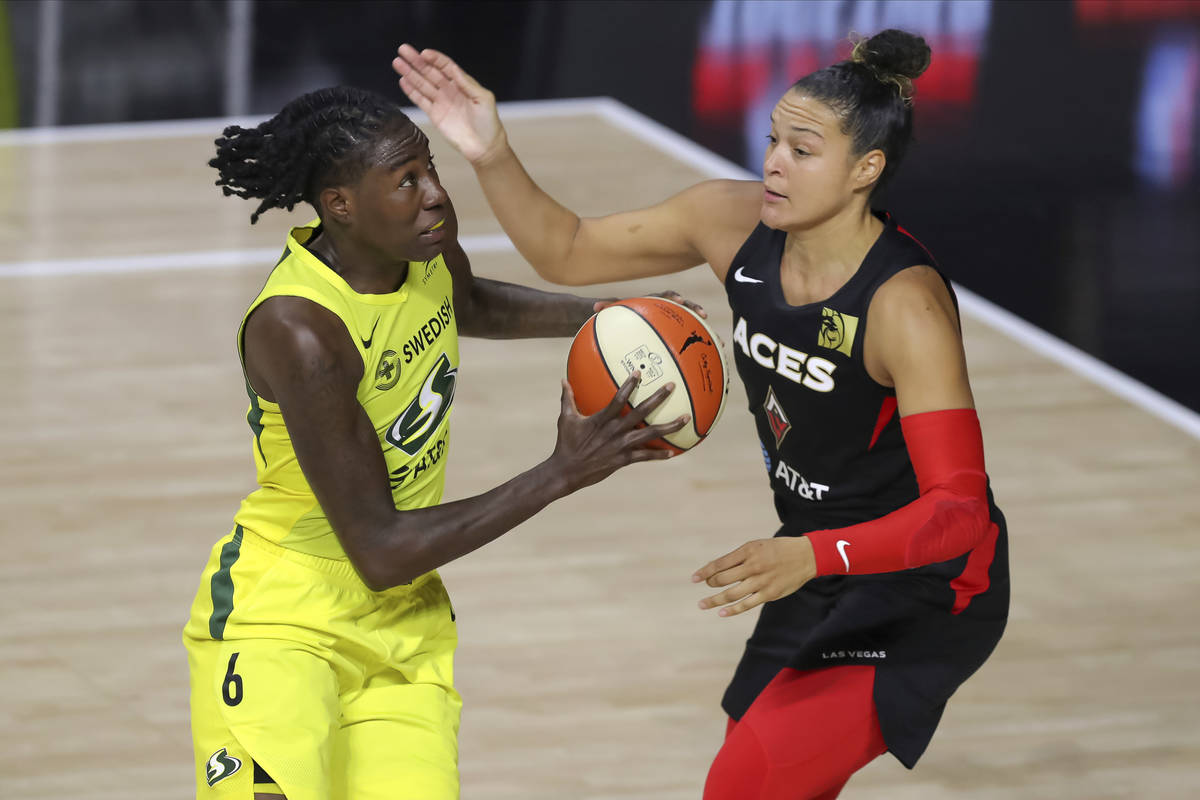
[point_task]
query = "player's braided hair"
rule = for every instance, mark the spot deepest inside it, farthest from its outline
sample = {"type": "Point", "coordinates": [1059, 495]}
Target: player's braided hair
{"type": "Point", "coordinates": [320, 139]}
{"type": "Point", "coordinates": [872, 93]}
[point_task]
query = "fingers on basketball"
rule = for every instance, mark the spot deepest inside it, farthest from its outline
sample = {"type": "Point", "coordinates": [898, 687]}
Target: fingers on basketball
{"type": "Point", "coordinates": [667, 343]}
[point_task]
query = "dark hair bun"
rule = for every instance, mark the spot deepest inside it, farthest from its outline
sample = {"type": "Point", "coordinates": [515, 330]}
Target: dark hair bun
{"type": "Point", "coordinates": [894, 53]}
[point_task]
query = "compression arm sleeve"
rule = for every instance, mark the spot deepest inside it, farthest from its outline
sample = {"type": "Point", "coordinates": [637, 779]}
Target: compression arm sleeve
{"type": "Point", "coordinates": [949, 518]}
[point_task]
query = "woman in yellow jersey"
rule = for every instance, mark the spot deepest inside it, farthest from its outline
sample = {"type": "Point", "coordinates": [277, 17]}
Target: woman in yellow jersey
{"type": "Point", "coordinates": [321, 639]}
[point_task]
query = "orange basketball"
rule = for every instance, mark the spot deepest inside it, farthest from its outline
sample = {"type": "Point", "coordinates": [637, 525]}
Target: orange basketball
{"type": "Point", "coordinates": [666, 342]}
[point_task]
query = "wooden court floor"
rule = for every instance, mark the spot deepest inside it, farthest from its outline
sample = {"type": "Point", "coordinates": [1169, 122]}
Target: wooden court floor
{"type": "Point", "coordinates": [586, 668]}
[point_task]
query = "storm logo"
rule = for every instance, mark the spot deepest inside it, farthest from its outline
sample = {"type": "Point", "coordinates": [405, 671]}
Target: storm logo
{"type": "Point", "coordinates": [424, 414]}
{"type": "Point", "coordinates": [220, 766]}
{"type": "Point", "coordinates": [776, 418]}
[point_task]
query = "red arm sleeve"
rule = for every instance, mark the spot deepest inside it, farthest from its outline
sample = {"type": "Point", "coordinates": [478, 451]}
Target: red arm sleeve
{"type": "Point", "coordinates": [949, 518]}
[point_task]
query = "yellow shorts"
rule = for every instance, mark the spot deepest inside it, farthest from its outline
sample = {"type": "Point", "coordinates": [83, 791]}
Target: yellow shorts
{"type": "Point", "coordinates": [304, 679]}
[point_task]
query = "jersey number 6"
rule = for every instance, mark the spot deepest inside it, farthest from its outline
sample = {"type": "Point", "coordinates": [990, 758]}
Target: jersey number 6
{"type": "Point", "coordinates": [231, 689]}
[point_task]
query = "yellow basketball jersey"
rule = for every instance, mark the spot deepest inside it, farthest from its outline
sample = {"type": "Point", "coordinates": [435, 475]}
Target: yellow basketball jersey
{"type": "Point", "coordinates": [409, 345]}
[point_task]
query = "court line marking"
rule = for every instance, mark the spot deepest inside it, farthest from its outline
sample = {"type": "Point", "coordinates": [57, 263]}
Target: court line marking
{"type": "Point", "coordinates": [199, 259]}
{"type": "Point", "coordinates": [664, 139]}
{"type": "Point", "coordinates": [1083, 364]}
{"type": "Point", "coordinates": [212, 126]}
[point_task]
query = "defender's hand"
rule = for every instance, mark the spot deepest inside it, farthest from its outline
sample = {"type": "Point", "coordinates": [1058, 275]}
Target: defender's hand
{"type": "Point", "coordinates": [589, 449]}
{"type": "Point", "coordinates": [458, 106]}
{"type": "Point", "coordinates": [758, 571]}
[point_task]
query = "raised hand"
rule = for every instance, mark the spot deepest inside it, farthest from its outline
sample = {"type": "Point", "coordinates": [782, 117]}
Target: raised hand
{"type": "Point", "coordinates": [589, 449]}
{"type": "Point", "coordinates": [462, 110]}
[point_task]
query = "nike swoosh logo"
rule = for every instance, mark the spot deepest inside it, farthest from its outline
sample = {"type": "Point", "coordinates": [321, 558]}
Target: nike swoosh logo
{"type": "Point", "coordinates": [742, 278]}
{"type": "Point", "coordinates": [842, 544]}
{"type": "Point", "coordinates": [367, 342]}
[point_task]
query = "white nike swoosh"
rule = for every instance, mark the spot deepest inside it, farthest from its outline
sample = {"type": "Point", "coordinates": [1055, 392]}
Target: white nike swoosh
{"type": "Point", "coordinates": [740, 278]}
{"type": "Point", "coordinates": [842, 544]}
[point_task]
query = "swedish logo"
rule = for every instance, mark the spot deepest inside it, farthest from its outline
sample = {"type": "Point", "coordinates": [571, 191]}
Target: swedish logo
{"type": "Point", "coordinates": [388, 371]}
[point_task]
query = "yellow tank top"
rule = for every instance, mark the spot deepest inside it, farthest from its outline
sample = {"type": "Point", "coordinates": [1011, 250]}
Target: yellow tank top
{"type": "Point", "coordinates": [409, 345]}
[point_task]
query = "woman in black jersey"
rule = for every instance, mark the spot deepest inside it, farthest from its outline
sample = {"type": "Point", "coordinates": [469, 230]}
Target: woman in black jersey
{"type": "Point", "coordinates": [887, 584]}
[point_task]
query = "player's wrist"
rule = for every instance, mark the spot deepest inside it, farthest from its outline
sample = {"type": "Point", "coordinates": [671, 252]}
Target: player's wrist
{"type": "Point", "coordinates": [494, 153]}
{"type": "Point", "coordinates": [804, 560]}
{"type": "Point", "coordinates": [826, 560]}
{"type": "Point", "coordinates": [549, 479]}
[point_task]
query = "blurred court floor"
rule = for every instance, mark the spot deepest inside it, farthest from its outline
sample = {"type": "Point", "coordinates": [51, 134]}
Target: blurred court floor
{"type": "Point", "coordinates": [586, 669]}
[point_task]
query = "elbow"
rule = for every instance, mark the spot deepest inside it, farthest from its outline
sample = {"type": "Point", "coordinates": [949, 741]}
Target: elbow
{"type": "Point", "coordinates": [380, 580]}
{"type": "Point", "coordinates": [555, 272]}
{"type": "Point", "coordinates": [382, 568]}
{"type": "Point", "coordinates": [554, 263]}
{"type": "Point", "coordinates": [375, 578]}
{"type": "Point", "coordinates": [571, 279]}
{"type": "Point", "coordinates": [957, 525]}
{"type": "Point", "coordinates": [374, 584]}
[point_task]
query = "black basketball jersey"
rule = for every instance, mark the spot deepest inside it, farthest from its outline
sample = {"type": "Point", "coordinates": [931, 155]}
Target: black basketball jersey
{"type": "Point", "coordinates": [830, 434]}
{"type": "Point", "coordinates": [835, 456]}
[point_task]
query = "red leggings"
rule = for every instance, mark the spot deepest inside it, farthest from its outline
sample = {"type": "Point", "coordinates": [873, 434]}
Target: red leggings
{"type": "Point", "coordinates": [802, 739]}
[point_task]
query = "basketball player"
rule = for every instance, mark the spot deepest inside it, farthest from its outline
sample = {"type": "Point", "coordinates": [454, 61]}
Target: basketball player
{"type": "Point", "coordinates": [321, 639]}
{"type": "Point", "coordinates": [887, 584]}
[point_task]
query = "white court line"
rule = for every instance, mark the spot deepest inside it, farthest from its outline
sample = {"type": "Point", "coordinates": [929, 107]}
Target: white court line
{"type": "Point", "coordinates": [1079, 362]}
{"type": "Point", "coordinates": [668, 141]}
{"type": "Point", "coordinates": [179, 128]}
{"type": "Point", "coordinates": [204, 259]}
{"type": "Point", "coordinates": [157, 262]}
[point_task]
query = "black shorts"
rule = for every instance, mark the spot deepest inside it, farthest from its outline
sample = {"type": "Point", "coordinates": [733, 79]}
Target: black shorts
{"type": "Point", "coordinates": [900, 623]}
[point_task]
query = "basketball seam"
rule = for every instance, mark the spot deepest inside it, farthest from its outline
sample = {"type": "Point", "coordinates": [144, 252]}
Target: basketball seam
{"type": "Point", "coordinates": [724, 373]}
{"type": "Point", "coordinates": [721, 360]}
{"type": "Point", "coordinates": [678, 368]}
{"type": "Point", "coordinates": [603, 360]}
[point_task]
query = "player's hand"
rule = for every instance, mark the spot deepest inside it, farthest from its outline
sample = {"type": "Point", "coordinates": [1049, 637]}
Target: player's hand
{"type": "Point", "coordinates": [589, 449]}
{"type": "Point", "coordinates": [673, 296]}
{"type": "Point", "coordinates": [758, 571]}
{"type": "Point", "coordinates": [458, 106]}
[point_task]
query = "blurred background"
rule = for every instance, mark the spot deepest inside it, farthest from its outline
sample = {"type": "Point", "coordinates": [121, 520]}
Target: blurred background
{"type": "Point", "coordinates": [1058, 142]}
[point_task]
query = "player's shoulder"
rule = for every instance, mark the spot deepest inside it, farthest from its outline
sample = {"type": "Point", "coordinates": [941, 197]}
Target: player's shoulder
{"type": "Point", "coordinates": [301, 331]}
{"type": "Point", "coordinates": [912, 285]}
{"type": "Point", "coordinates": [914, 297]}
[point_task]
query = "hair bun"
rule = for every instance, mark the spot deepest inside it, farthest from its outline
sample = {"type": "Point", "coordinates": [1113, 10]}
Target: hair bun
{"type": "Point", "coordinates": [894, 52]}
{"type": "Point", "coordinates": [894, 56]}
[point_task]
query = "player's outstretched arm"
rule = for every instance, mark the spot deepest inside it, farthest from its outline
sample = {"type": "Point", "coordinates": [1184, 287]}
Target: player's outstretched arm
{"type": "Point", "coordinates": [498, 310]}
{"type": "Point", "coordinates": [705, 223]}
{"type": "Point", "coordinates": [299, 355]}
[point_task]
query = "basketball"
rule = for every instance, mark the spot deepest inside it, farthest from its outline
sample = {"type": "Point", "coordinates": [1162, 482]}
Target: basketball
{"type": "Point", "coordinates": [666, 342]}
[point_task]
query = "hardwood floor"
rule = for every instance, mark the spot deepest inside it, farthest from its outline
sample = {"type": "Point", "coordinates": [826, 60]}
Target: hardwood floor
{"type": "Point", "coordinates": [586, 669]}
